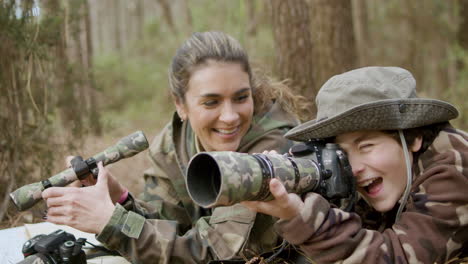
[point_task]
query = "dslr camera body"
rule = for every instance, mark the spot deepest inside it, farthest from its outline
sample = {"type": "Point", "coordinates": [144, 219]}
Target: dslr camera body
{"type": "Point", "coordinates": [56, 247]}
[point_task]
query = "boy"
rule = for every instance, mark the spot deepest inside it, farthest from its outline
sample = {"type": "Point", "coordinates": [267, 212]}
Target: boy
{"type": "Point", "coordinates": [410, 167]}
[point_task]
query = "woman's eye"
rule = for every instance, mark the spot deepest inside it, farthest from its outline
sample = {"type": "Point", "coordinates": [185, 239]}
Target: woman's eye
{"type": "Point", "coordinates": [242, 98]}
{"type": "Point", "coordinates": [210, 103]}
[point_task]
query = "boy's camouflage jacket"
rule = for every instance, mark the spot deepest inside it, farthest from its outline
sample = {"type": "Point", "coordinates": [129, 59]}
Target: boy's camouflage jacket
{"type": "Point", "coordinates": [432, 229]}
{"type": "Point", "coordinates": [169, 227]}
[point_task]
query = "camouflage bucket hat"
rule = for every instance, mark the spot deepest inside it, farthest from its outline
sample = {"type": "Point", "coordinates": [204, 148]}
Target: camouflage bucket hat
{"type": "Point", "coordinates": [371, 98]}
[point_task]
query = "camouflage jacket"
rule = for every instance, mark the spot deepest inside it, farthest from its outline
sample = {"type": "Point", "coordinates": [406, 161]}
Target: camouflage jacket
{"type": "Point", "coordinates": [169, 228]}
{"type": "Point", "coordinates": [433, 227]}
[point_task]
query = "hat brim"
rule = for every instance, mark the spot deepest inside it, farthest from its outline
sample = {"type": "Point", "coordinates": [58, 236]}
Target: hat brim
{"type": "Point", "coordinates": [389, 114]}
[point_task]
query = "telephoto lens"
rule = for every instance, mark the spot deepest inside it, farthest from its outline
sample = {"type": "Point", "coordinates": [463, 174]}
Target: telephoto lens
{"type": "Point", "coordinates": [226, 177]}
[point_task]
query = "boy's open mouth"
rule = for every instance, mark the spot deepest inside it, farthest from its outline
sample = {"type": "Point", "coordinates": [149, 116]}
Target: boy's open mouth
{"type": "Point", "coordinates": [371, 186]}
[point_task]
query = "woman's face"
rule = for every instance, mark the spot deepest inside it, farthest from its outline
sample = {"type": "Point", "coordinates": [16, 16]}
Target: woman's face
{"type": "Point", "coordinates": [379, 166]}
{"type": "Point", "coordinates": [218, 104]}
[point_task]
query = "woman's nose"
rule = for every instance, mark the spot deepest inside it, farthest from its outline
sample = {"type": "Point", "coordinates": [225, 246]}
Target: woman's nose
{"type": "Point", "coordinates": [228, 114]}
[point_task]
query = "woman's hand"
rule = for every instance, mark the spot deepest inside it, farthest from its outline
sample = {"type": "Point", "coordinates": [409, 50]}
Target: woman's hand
{"type": "Point", "coordinates": [115, 188]}
{"type": "Point", "coordinates": [88, 181]}
{"type": "Point", "coordinates": [87, 209]}
{"type": "Point", "coordinates": [284, 206]}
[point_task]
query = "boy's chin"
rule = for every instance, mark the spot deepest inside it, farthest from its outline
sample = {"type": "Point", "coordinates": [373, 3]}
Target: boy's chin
{"type": "Point", "coordinates": [383, 206]}
{"type": "Point", "coordinates": [380, 206]}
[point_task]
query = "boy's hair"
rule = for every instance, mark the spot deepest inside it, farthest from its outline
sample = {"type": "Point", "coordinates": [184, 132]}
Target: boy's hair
{"type": "Point", "coordinates": [428, 134]}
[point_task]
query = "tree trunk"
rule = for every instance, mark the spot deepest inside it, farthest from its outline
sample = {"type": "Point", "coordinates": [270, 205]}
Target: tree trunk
{"type": "Point", "coordinates": [291, 31]}
{"type": "Point", "coordinates": [94, 116]}
{"type": "Point", "coordinates": [334, 50]}
{"type": "Point", "coordinates": [140, 20]}
{"type": "Point", "coordinates": [251, 17]}
{"type": "Point", "coordinates": [188, 17]}
{"type": "Point", "coordinates": [361, 31]}
{"type": "Point", "coordinates": [117, 33]}
{"type": "Point", "coordinates": [462, 34]}
{"type": "Point", "coordinates": [167, 13]}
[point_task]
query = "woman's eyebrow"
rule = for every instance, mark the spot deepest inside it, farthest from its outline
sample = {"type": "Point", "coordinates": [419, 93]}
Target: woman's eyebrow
{"type": "Point", "coordinates": [241, 91]}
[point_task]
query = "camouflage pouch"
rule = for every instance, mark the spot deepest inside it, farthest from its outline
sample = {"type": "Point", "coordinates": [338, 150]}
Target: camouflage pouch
{"type": "Point", "coordinates": [227, 230]}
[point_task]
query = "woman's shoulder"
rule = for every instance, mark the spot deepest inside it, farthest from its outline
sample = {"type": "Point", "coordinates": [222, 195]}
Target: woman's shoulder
{"type": "Point", "coordinates": [275, 118]}
{"type": "Point", "coordinates": [267, 131]}
{"type": "Point", "coordinates": [163, 142]}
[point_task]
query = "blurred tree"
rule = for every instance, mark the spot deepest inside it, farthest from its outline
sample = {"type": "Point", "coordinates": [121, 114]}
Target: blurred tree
{"type": "Point", "coordinates": [314, 40]}
{"type": "Point", "coordinates": [76, 54]}
{"type": "Point", "coordinates": [292, 35]}
{"type": "Point", "coordinates": [167, 13]}
{"type": "Point", "coordinates": [30, 85]}
{"type": "Point", "coordinates": [334, 48]}
{"type": "Point", "coordinates": [361, 31]}
{"type": "Point", "coordinates": [462, 34]}
{"type": "Point", "coordinates": [188, 17]}
{"type": "Point", "coordinates": [116, 14]}
{"type": "Point", "coordinates": [252, 17]}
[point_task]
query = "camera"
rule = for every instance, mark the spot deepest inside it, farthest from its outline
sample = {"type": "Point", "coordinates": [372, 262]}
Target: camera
{"type": "Point", "coordinates": [56, 247]}
{"type": "Point", "coordinates": [226, 178]}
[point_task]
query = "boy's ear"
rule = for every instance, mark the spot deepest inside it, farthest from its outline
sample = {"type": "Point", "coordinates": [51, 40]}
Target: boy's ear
{"type": "Point", "coordinates": [417, 144]}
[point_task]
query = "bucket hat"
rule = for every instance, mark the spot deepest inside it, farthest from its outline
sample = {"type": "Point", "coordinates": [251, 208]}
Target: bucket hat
{"type": "Point", "coordinates": [371, 98]}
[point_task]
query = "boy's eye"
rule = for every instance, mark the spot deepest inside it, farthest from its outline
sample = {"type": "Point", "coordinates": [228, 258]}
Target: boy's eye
{"type": "Point", "coordinates": [365, 146]}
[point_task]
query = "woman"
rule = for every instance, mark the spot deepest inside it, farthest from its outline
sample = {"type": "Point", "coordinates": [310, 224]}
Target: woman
{"type": "Point", "coordinates": [221, 106]}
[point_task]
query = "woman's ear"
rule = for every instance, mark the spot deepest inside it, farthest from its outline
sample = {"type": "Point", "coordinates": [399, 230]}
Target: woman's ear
{"type": "Point", "coordinates": [180, 107]}
{"type": "Point", "coordinates": [416, 146]}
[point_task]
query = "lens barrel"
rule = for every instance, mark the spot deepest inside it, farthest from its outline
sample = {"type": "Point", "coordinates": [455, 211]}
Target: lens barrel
{"type": "Point", "coordinates": [226, 178]}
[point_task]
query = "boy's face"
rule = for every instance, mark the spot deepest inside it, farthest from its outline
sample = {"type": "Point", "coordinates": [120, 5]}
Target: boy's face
{"type": "Point", "coordinates": [379, 166]}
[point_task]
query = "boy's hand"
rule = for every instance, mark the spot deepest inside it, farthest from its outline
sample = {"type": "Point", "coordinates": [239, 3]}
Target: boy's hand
{"type": "Point", "coordinates": [285, 205]}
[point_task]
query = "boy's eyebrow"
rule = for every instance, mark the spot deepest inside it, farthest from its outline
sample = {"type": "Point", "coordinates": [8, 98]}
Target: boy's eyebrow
{"type": "Point", "coordinates": [241, 91]}
{"type": "Point", "coordinates": [362, 138]}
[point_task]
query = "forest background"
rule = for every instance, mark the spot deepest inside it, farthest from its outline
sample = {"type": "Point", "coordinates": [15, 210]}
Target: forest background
{"type": "Point", "coordinates": [77, 75]}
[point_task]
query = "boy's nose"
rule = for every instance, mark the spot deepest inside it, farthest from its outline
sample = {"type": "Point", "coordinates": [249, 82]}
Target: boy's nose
{"type": "Point", "coordinates": [357, 166]}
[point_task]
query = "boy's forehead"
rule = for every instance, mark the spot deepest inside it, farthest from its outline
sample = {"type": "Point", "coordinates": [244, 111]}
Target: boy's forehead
{"type": "Point", "coordinates": [356, 137]}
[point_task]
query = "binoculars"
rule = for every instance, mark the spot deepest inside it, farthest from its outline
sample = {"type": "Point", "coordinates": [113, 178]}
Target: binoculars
{"type": "Point", "coordinates": [226, 178]}
{"type": "Point", "coordinates": [27, 196]}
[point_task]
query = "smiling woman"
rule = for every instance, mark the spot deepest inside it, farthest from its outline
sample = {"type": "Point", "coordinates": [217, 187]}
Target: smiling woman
{"type": "Point", "coordinates": [218, 104]}
{"type": "Point", "coordinates": [222, 104]}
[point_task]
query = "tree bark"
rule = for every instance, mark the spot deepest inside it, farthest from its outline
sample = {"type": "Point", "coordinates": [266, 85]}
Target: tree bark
{"type": "Point", "coordinates": [188, 17]}
{"type": "Point", "coordinates": [334, 48]}
{"type": "Point", "coordinates": [291, 31]}
{"type": "Point", "coordinates": [462, 34]}
{"type": "Point", "coordinates": [361, 31]}
{"type": "Point", "coordinates": [167, 13]}
{"type": "Point", "coordinates": [251, 17]}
